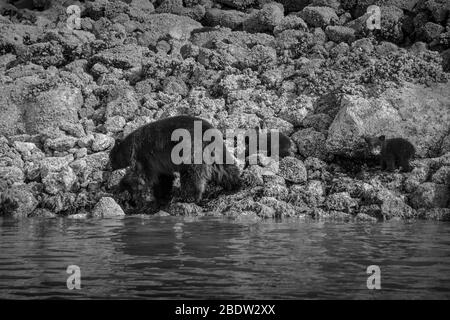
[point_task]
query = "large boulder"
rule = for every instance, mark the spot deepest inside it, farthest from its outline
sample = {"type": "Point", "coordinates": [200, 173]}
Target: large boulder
{"type": "Point", "coordinates": [319, 16]}
{"type": "Point", "coordinates": [17, 201]}
{"type": "Point", "coordinates": [107, 207]}
{"type": "Point", "coordinates": [226, 18]}
{"type": "Point", "coordinates": [164, 25]}
{"type": "Point", "coordinates": [415, 112]}
{"type": "Point", "coordinates": [51, 108]}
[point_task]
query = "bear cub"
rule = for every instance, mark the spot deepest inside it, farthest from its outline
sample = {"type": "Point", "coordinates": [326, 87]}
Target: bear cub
{"type": "Point", "coordinates": [393, 153]}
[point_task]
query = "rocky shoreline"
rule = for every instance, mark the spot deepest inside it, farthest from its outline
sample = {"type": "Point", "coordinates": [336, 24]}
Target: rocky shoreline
{"type": "Point", "coordinates": [311, 69]}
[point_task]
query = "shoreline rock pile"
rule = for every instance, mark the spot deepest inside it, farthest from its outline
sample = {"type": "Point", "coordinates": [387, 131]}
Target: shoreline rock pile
{"type": "Point", "coordinates": [310, 68]}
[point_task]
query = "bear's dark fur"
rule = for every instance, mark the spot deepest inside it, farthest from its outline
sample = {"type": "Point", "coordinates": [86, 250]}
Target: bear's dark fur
{"type": "Point", "coordinates": [148, 150]}
{"type": "Point", "coordinates": [393, 153]}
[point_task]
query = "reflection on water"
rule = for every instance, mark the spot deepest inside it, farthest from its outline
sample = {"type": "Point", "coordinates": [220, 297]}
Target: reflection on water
{"type": "Point", "coordinates": [167, 257]}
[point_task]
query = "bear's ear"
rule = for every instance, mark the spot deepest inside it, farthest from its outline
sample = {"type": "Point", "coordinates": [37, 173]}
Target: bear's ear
{"type": "Point", "coordinates": [382, 138]}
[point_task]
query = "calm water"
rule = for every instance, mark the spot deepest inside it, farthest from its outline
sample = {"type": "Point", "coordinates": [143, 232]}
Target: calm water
{"type": "Point", "coordinates": [167, 257]}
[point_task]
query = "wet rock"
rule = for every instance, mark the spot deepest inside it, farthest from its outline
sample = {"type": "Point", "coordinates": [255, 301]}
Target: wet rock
{"type": "Point", "coordinates": [365, 218]}
{"type": "Point", "coordinates": [439, 214]}
{"type": "Point", "coordinates": [425, 109]}
{"type": "Point", "coordinates": [42, 213]}
{"type": "Point", "coordinates": [276, 190]}
{"type": "Point", "coordinates": [293, 170]}
{"type": "Point", "coordinates": [319, 16]}
{"type": "Point", "coordinates": [280, 209]}
{"type": "Point", "coordinates": [311, 195]}
{"type": "Point", "coordinates": [106, 207]}
{"type": "Point", "coordinates": [340, 34]}
{"type": "Point", "coordinates": [341, 202]}
{"type": "Point", "coordinates": [430, 195]}
{"type": "Point", "coordinates": [17, 201]}
{"type": "Point", "coordinates": [310, 143]}
{"type": "Point", "coordinates": [184, 209]}
{"type": "Point", "coordinates": [393, 206]}
{"type": "Point", "coordinates": [332, 215]}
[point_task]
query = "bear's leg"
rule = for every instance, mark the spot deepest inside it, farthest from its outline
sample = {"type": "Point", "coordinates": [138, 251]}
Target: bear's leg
{"type": "Point", "coordinates": [163, 190]}
{"type": "Point", "coordinates": [390, 163]}
{"type": "Point", "coordinates": [404, 163]}
{"type": "Point", "coordinates": [383, 164]}
{"type": "Point", "coordinates": [193, 183]}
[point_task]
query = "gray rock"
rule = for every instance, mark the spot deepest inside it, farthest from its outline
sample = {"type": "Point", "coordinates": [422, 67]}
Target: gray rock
{"type": "Point", "coordinates": [122, 103]}
{"type": "Point", "coordinates": [9, 176]}
{"type": "Point", "coordinates": [51, 108]}
{"type": "Point", "coordinates": [265, 19]}
{"type": "Point", "coordinates": [54, 164]}
{"type": "Point", "coordinates": [340, 34]}
{"type": "Point", "coordinates": [310, 143]}
{"type": "Point", "coordinates": [17, 201]}
{"type": "Point", "coordinates": [442, 176]}
{"type": "Point", "coordinates": [319, 16]}
{"type": "Point", "coordinates": [101, 142]}
{"type": "Point", "coordinates": [61, 144]}
{"type": "Point", "coordinates": [106, 207]}
{"type": "Point", "coordinates": [185, 209]}
{"type": "Point", "coordinates": [431, 31]}
{"type": "Point", "coordinates": [293, 170]}
{"type": "Point", "coordinates": [122, 57]}
{"type": "Point", "coordinates": [430, 195]}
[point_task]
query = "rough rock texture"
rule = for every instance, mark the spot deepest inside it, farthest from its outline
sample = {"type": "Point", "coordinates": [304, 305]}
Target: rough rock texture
{"type": "Point", "coordinates": [106, 208]}
{"type": "Point", "coordinates": [309, 68]}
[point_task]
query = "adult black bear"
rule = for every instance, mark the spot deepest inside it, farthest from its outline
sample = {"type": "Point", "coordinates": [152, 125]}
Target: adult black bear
{"type": "Point", "coordinates": [393, 153]}
{"type": "Point", "coordinates": [149, 151]}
